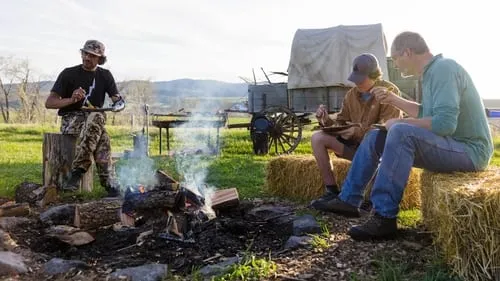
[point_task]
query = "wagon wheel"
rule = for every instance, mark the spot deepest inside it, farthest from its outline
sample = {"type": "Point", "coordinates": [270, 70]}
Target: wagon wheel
{"type": "Point", "coordinates": [285, 130]}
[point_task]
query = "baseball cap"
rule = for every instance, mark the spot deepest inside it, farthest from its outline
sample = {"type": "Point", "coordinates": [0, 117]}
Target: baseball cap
{"type": "Point", "coordinates": [93, 47]}
{"type": "Point", "coordinates": [363, 65]}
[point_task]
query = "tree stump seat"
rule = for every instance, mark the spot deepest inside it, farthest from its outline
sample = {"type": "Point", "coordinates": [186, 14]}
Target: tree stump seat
{"type": "Point", "coordinates": [58, 154]}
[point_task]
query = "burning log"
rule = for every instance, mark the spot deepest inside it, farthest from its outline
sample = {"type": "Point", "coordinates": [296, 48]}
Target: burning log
{"type": "Point", "coordinates": [154, 199]}
{"type": "Point", "coordinates": [165, 180]}
{"type": "Point", "coordinates": [93, 215]}
{"type": "Point", "coordinates": [15, 210]}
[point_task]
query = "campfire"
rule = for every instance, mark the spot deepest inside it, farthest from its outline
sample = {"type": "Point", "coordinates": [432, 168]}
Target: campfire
{"type": "Point", "coordinates": [156, 222]}
{"type": "Point", "coordinates": [184, 208]}
{"type": "Point", "coordinates": [166, 223]}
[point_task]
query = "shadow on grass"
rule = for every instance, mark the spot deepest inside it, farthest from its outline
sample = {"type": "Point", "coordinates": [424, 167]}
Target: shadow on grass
{"type": "Point", "coordinates": [14, 174]}
{"type": "Point", "coordinates": [14, 130]}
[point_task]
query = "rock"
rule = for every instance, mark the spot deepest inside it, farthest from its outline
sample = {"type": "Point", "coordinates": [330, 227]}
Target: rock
{"type": "Point", "coordinates": [215, 269]}
{"type": "Point", "coordinates": [71, 235]}
{"type": "Point", "coordinates": [11, 264]}
{"type": "Point", "coordinates": [148, 272]}
{"type": "Point", "coordinates": [305, 224]}
{"type": "Point", "coordinates": [6, 242]}
{"type": "Point", "coordinates": [63, 214]}
{"type": "Point", "coordinates": [25, 193]}
{"type": "Point", "coordinates": [9, 223]}
{"type": "Point", "coordinates": [57, 266]}
{"type": "Point", "coordinates": [286, 220]}
{"type": "Point", "coordinates": [297, 241]}
{"type": "Point", "coordinates": [266, 212]}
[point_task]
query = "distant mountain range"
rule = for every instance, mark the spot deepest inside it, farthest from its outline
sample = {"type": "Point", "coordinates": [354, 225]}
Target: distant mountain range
{"type": "Point", "coordinates": [187, 88]}
{"type": "Point", "coordinates": [197, 88]}
{"type": "Point", "coordinates": [165, 91]}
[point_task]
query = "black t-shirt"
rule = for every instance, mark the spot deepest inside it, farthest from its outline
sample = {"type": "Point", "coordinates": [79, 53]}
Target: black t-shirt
{"type": "Point", "coordinates": [96, 84]}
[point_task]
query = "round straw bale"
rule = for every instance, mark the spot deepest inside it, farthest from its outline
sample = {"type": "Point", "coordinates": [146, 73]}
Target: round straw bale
{"type": "Point", "coordinates": [297, 177]}
{"type": "Point", "coordinates": [462, 210]}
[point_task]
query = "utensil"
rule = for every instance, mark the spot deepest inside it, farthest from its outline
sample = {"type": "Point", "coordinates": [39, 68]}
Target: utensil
{"type": "Point", "coordinates": [379, 126]}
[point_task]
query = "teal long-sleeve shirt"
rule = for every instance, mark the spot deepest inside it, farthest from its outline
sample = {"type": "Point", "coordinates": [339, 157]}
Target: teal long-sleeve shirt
{"type": "Point", "coordinates": [450, 98]}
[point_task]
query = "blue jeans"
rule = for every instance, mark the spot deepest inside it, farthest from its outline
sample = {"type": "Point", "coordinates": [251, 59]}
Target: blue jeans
{"type": "Point", "coordinates": [396, 152]}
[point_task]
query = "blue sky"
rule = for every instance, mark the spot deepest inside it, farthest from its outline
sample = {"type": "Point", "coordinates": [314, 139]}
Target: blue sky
{"type": "Point", "coordinates": [224, 39]}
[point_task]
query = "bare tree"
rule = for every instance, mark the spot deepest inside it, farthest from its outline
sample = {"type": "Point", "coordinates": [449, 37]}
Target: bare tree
{"type": "Point", "coordinates": [29, 92]}
{"type": "Point", "coordinates": [136, 93]}
{"type": "Point", "coordinates": [7, 79]}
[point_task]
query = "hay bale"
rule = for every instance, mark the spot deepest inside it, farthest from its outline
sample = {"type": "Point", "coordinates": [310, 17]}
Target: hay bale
{"type": "Point", "coordinates": [463, 212]}
{"type": "Point", "coordinates": [297, 177]}
{"type": "Point", "coordinates": [413, 191]}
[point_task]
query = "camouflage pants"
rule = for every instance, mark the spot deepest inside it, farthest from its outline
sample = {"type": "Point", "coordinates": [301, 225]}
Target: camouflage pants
{"type": "Point", "coordinates": [92, 141]}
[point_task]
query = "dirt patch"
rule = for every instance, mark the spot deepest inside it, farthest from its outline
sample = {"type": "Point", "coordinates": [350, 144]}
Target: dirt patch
{"type": "Point", "coordinates": [233, 233]}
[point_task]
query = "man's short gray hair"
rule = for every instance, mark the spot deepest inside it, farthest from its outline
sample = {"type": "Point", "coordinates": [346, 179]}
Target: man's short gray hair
{"type": "Point", "coordinates": [409, 40]}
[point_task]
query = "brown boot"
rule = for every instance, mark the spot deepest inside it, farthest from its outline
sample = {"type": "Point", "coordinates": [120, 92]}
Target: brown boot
{"type": "Point", "coordinates": [111, 186]}
{"type": "Point", "coordinates": [329, 194]}
{"type": "Point", "coordinates": [337, 206]}
{"type": "Point", "coordinates": [377, 227]}
{"type": "Point", "coordinates": [73, 183]}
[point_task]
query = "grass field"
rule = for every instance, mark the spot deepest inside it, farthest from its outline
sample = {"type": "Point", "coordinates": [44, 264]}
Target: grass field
{"type": "Point", "coordinates": [236, 166]}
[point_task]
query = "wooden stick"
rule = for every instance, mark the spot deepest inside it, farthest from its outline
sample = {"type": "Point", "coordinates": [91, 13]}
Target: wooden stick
{"type": "Point", "coordinates": [15, 210]}
{"type": "Point", "coordinates": [225, 198]}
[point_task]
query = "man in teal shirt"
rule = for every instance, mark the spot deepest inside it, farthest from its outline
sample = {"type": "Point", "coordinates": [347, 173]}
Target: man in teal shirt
{"type": "Point", "coordinates": [447, 132]}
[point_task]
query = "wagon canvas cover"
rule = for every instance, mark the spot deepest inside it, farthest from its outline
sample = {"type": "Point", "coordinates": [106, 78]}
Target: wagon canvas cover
{"type": "Point", "coordinates": [323, 57]}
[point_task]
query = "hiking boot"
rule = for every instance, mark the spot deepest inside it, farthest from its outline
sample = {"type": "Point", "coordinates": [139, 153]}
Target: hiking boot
{"type": "Point", "coordinates": [112, 187]}
{"type": "Point", "coordinates": [113, 192]}
{"type": "Point", "coordinates": [375, 228]}
{"type": "Point", "coordinates": [73, 183]}
{"type": "Point", "coordinates": [327, 196]}
{"type": "Point", "coordinates": [337, 206]}
{"type": "Point", "coordinates": [366, 206]}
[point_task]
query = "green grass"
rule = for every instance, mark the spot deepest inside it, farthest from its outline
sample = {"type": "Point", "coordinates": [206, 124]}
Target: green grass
{"type": "Point", "coordinates": [320, 242]}
{"type": "Point", "coordinates": [496, 153]}
{"type": "Point", "coordinates": [388, 270]}
{"type": "Point", "coordinates": [409, 218]}
{"type": "Point", "coordinates": [251, 268]}
{"type": "Point", "coordinates": [236, 166]}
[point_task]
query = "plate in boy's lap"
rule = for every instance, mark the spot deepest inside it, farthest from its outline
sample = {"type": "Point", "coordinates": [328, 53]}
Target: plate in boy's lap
{"type": "Point", "coordinates": [336, 128]}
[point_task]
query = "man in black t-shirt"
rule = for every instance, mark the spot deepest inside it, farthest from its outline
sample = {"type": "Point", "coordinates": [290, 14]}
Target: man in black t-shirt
{"type": "Point", "coordinates": [86, 85]}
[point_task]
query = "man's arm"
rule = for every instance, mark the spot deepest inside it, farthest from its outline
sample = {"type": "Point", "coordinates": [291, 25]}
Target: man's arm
{"type": "Point", "coordinates": [409, 107]}
{"type": "Point", "coordinates": [111, 87]}
{"type": "Point", "coordinates": [387, 97]}
{"type": "Point", "coordinates": [54, 101]}
{"type": "Point", "coordinates": [446, 103]}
